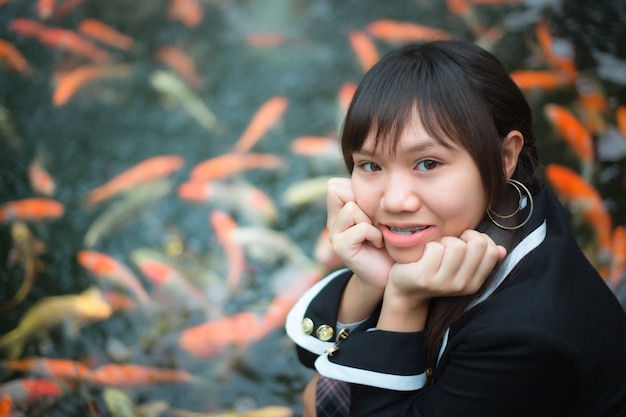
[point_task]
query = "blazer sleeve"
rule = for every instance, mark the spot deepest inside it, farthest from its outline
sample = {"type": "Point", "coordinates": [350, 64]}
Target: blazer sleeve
{"type": "Point", "coordinates": [513, 370]}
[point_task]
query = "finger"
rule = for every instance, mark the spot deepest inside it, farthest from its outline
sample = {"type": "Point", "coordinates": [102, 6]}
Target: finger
{"type": "Point", "coordinates": [339, 192]}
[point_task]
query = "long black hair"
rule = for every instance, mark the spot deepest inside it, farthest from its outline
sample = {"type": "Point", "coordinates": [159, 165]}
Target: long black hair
{"type": "Point", "coordinates": [462, 94]}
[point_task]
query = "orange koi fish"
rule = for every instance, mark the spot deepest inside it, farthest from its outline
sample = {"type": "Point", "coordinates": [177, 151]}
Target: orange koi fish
{"type": "Point", "coordinates": [562, 63]}
{"type": "Point", "coordinates": [620, 118]}
{"type": "Point", "coordinates": [267, 116]}
{"type": "Point", "coordinates": [6, 405]}
{"type": "Point", "coordinates": [65, 8]}
{"type": "Point", "coordinates": [105, 34]}
{"type": "Point", "coordinates": [168, 279]}
{"type": "Point", "coordinates": [76, 309]}
{"type": "Point", "coordinates": [68, 40]}
{"type": "Point", "coordinates": [345, 95]}
{"type": "Point", "coordinates": [26, 391]}
{"type": "Point", "coordinates": [583, 198]}
{"type": "Point", "coordinates": [265, 40]}
{"type": "Point", "coordinates": [41, 181]}
{"type": "Point", "coordinates": [224, 227]}
{"type": "Point", "coordinates": [32, 208]}
{"type": "Point", "coordinates": [148, 170]}
{"type": "Point", "coordinates": [212, 337]}
{"type": "Point", "coordinates": [543, 80]}
{"type": "Point", "coordinates": [13, 58]}
{"type": "Point", "coordinates": [71, 82]}
{"type": "Point", "coordinates": [593, 105]}
{"type": "Point", "coordinates": [118, 301]}
{"type": "Point", "coordinates": [48, 367]}
{"type": "Point", "coordinates": [393, 31]}
{"type": "Point", "coordinates": [189, 12]}
{"type": "Point", "coordinates": [181, 63]}
{"type": "Point", "coordinates": [364, 48]}
{"type": "Point", "coordinates": [617, 270]}
{"type": "Point", "coordinates": [315, 145]}
{"type": "Point", "coordinates": [132, 375]}
{"type": "Point", "coordinates": [249, 201]}
{"type": "Point", "coordinates": [110, 269]}
{"type": "Point", "coordinates": [26, 27]}
{"type": "Point", "coordinates": [45, 8]}
{"type": "Point", "coordinates": [573, 132]}
{"type": "Point", "coordinates": [228, 164]}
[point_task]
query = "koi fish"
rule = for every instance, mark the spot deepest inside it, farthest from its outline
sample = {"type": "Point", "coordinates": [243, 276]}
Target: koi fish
{"type": "Point", "coordinates": [73, 309]}
{"type": "Point", "coordinates": [177, 90]}
{"type": "Point", "coordinates": [562, 63]}
{"type": "Point", "coordinates": [270, 112]}
{"type": "Point", "coordinates": [132, 205]}
{"type": "Point", "coordinates": [56, 368]}
{"type": "Point", "coordinates": [45, 8]}
{"type": "Point", "coordinates": [132, 375]}
{"type": "Point", "coordinates": [593, 105]}
{"type": "Point", "coordinates": [105, 34]}
{"type": "Point", "coordinates": [68, 84]}
{"type": "Point", "coordinates": [264, 40]}
{"type": "Point", "coordinates": [41, 181]}
{"type": "Point", "coordinates": [394, 31]}
{"type": "Point", "coordinates": [269, 411]}
{"type": "Point", "coordinates": [212, 337]}
{"type": "Point", "coordinates": [268, 246]}
{"type": "Point", "coordinates": [224, 227]}
{"type": "Point", "coordinates": [617, 270]}
{"type": "Point", "coordinates": [31, 208]}
{"type": "Point", "coordinates": [6, 405]}
{"type": "Point", "coordinates": [110, 269]}
{"type": "Point", "coordinates": [583, 198]}
{"type": "Point", "coordinates": [248, 201]}
{"type": "Point", "coordinates": [573, 132]}
{"type": "Point", "coordinates": [13, 58]}
{"type": "Point", "coordinates": [189, 12]}
{"type": "Point", "coordinates": [146, 171]}
{"type": "Point", "coordinates": [65, 8]}
{"type": "Point", "coordinates": [543, 80]}
{"type": "Point", "coordinates": [306, 191]}
{"type": "Point", "coordinates": [364, 48]}
{"type": "Point", "coordinates": [26, 249]}
{"type": "Point", "coordinates": [316, 146]}
{"type": "Point", "coordinates": [181, 63]}
{"type": "Point", "coordinates": [620, 118]}
{"type": "Point", "coordinates": [26, 391]}
{"type": "Point", "coordinates": [168, 279]}
{"type": "Point", "coordinates": [228, 164]}
{"type": "Point", "coordinates": [7, 129]}
{"type": "Point", "coordinates": [30, 28]}
{"type": "Point", "coordinates": [345, 95]}
{"type": "Point", "coordinates": [68, 40]}
{"type": "Point", "coordinates": [118, 403]}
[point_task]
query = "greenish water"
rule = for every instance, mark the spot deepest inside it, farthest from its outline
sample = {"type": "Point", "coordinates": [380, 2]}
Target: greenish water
{"type": "Point", "coordinates": [113, 124]}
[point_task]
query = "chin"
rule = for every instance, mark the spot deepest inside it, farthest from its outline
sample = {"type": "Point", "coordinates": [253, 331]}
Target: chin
{"type": "Point", "coordinates": [405, 256]}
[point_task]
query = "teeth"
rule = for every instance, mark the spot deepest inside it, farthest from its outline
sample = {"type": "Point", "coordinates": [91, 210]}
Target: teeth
{"type": "Point", "coordinates": [406, 231]}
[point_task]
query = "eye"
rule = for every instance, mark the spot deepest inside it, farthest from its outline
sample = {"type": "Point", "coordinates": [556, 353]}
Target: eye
{"type": "Point", "coordinates": [369, 166]}
{"type": "Point", "coordinates": [427, 165]}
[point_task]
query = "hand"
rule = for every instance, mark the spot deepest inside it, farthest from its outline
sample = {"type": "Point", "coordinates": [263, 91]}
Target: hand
{"type": "Point", "coordinates": [451, 267]}
{"type": "Point", "coordinates": [354, 239]}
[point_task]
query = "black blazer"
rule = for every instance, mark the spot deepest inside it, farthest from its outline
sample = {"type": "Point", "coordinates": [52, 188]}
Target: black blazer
{"type": "Point", "coordinates": [550, 340]}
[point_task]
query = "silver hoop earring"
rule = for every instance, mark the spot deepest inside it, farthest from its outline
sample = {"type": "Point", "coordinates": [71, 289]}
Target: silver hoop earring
{"type": "Point", "coordinates": [524, 200]}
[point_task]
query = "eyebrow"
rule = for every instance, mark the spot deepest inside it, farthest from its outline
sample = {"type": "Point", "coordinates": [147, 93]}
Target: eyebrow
{"type": "Point", "coordinates": [421, 146]}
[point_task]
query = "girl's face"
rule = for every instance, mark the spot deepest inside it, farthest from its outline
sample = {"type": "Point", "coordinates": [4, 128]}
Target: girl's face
{"type": "Point", "coordinates": [420, 193]}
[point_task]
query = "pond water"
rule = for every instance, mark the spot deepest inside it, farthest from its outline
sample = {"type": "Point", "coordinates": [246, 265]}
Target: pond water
{"type": "Point", "coordinates": [245, 53]}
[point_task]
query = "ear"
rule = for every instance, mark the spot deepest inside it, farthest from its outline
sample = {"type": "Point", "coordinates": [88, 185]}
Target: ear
{"type": "Point", "coordinates": [511, 147]}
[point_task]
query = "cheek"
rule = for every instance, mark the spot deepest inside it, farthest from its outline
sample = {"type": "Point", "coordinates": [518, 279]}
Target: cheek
{"type": "Point", "coordinates": [365, 196]}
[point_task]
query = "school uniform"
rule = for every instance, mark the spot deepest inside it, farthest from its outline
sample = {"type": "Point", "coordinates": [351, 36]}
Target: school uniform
{"type": "Point", "coordinates": [548, 338]}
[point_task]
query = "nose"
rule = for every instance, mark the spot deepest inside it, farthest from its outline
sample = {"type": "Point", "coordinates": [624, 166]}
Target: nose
{"type": "Point", "coordinates": [400, 195]}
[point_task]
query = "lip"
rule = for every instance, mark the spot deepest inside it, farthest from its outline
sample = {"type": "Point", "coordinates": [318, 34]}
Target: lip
{"type": "Point", "coordinates": [417, 237]}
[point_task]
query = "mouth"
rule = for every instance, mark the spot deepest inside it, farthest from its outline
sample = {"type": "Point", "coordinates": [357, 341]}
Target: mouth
{"type": "Point", "coordinates": [406, 231]}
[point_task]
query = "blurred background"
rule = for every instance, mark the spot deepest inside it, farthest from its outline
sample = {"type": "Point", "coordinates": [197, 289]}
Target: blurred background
{"type": "Point", "coordinates": [162, 177]}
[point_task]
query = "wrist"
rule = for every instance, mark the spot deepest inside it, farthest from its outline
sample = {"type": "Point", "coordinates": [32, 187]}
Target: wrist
{"type": "Point", "coordinates": [403, 314]}
{"type": "Point", "coordinates": [359, 300]}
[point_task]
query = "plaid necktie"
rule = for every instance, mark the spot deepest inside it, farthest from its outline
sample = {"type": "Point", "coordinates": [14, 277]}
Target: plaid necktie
{"type": "Point", "coordinates": [332, 398]}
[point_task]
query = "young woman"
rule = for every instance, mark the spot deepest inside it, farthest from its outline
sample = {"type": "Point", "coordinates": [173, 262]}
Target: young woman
{"type": "Point", "coordinates": [464, 292]}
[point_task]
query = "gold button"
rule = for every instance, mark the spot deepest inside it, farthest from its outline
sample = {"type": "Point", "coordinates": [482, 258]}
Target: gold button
{"type": "Point", "coordinates": [331, 350]}
{"type": "Point", "coordinates": [307, 325]}
{"type": "Point", "coordinates": [325, 332]}
{"type": "Point", "coordinates": [343, 333]}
